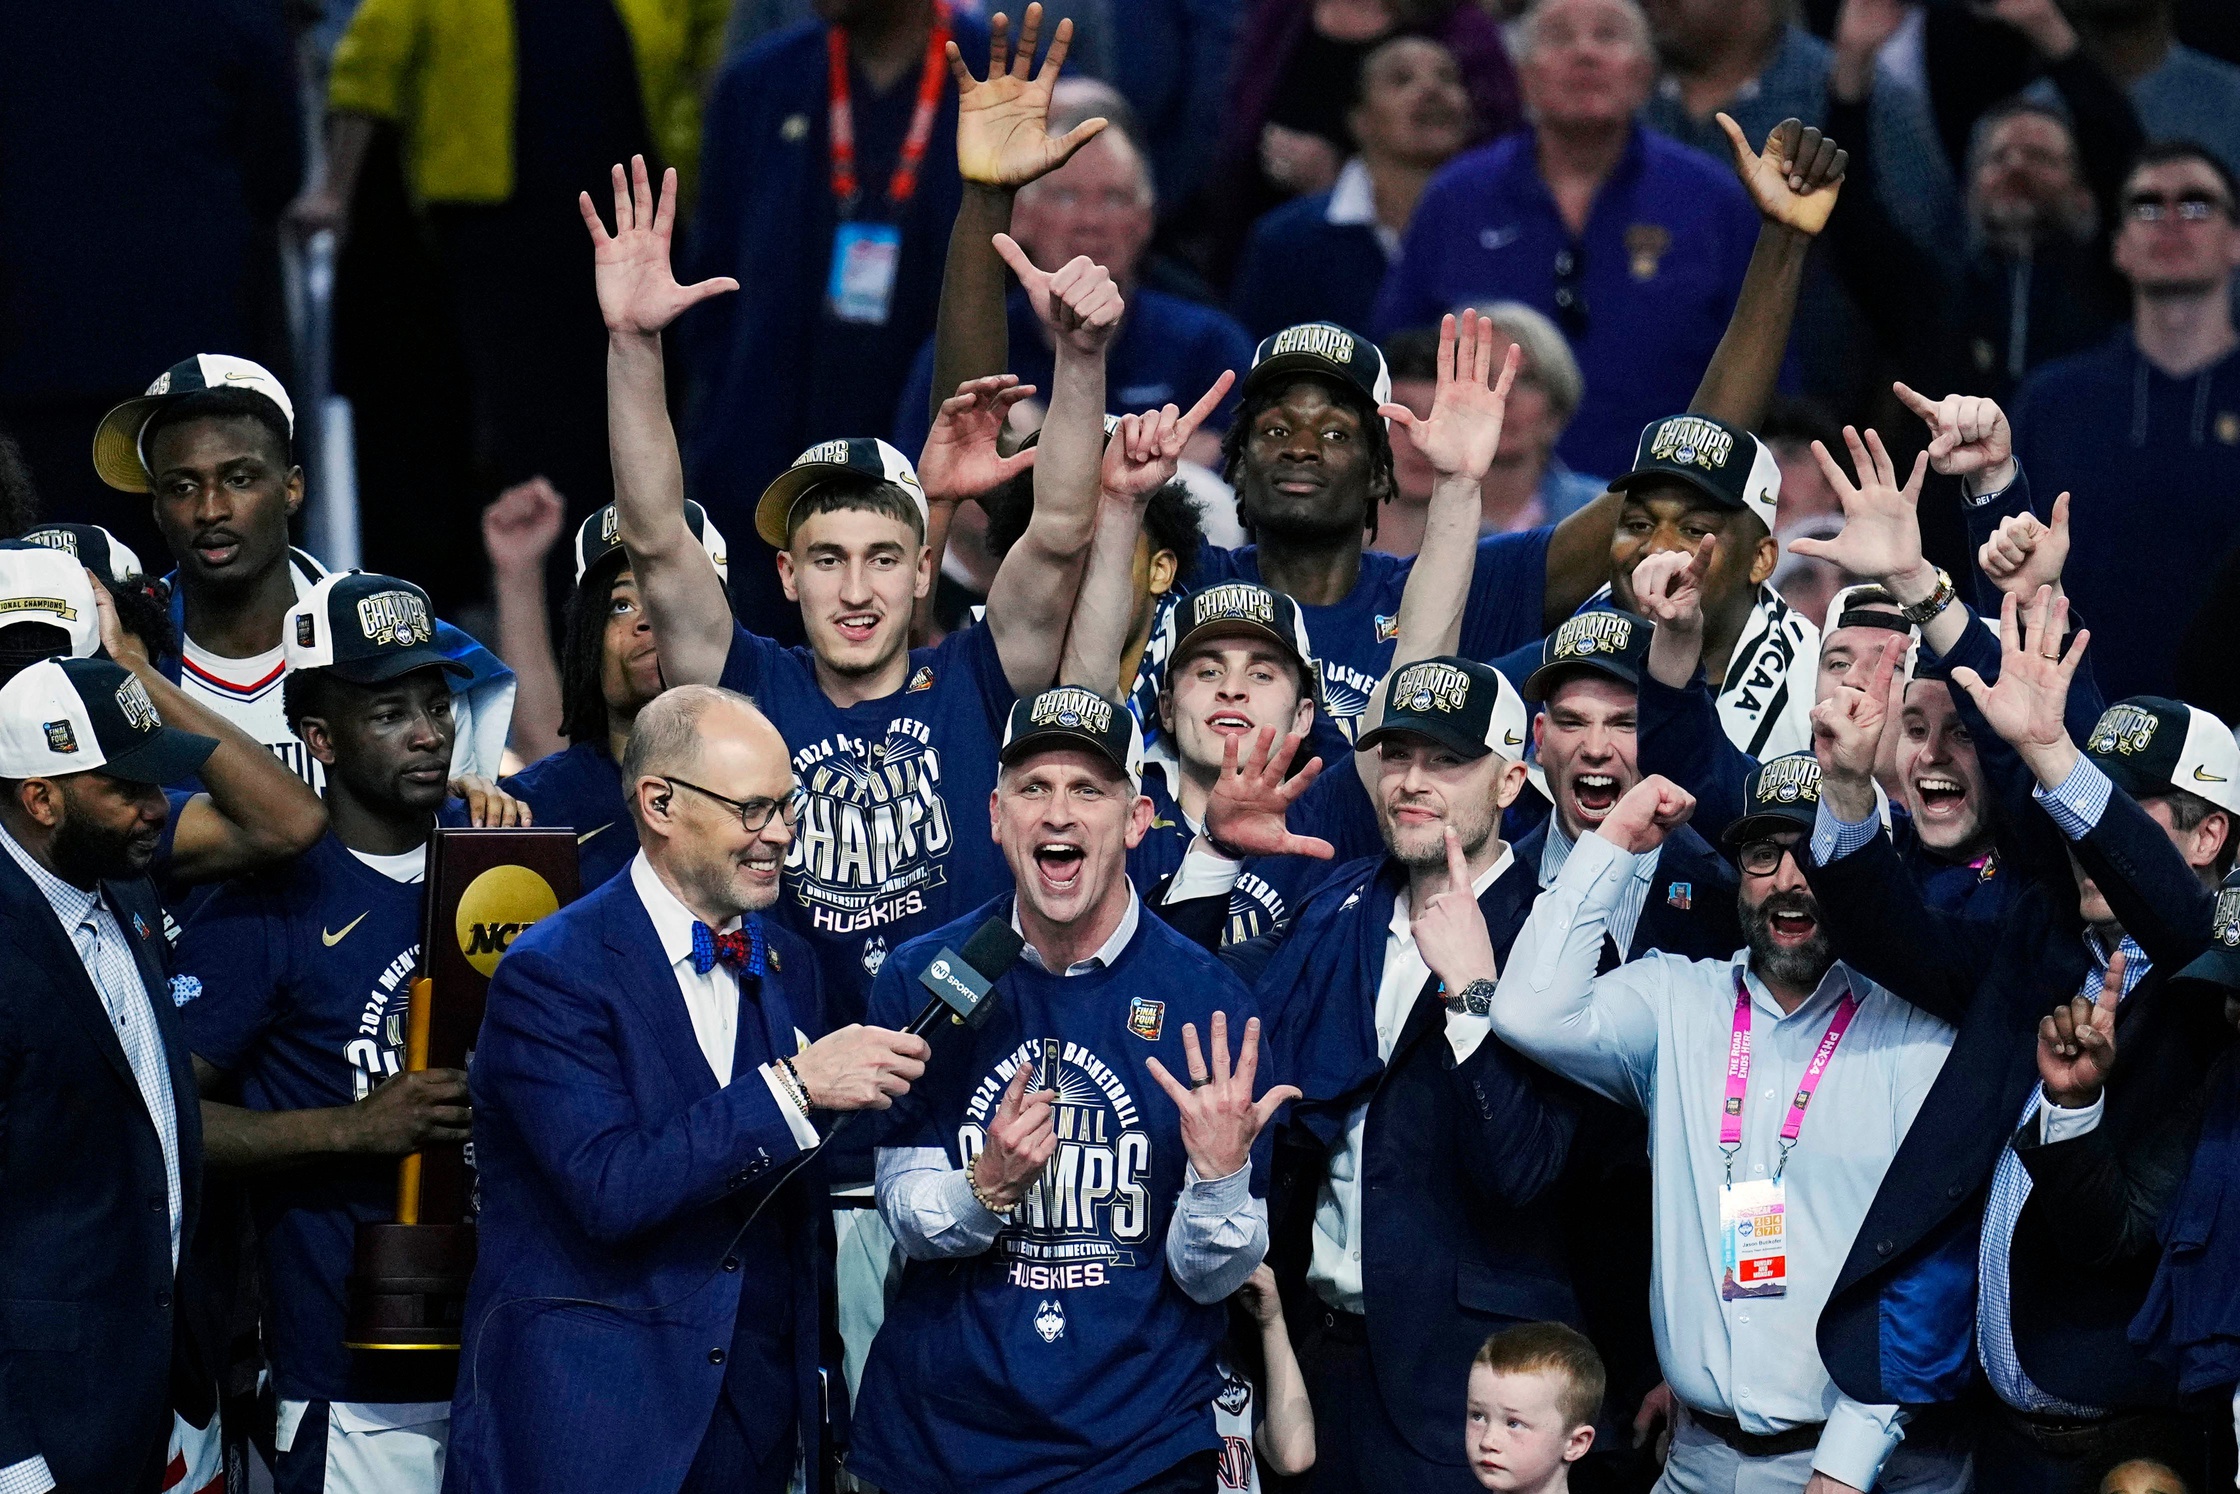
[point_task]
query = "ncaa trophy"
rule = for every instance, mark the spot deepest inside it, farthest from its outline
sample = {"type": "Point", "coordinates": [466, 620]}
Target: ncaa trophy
{"type": "Point", "coordinates": [408, 1280]}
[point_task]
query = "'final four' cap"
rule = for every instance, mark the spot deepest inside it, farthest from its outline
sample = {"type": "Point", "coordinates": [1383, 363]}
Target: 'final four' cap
{"type": "Point", "coordinates": [2149, 745]}
{"type": "Point", "coordinates": [117, 454]}
{"type": "Point", "coordinates": [65, 716]}
{"type": "Point", "coordinates": [861, 461]}
{"type": "Point", "coordinates": [1468, 707]}
{"type": "Point", "coordinates": [1725, 463]}
{"type": "Point", "coordinates": [1070, 716]}
{"type": "Point", "coordinates": [366, 628]}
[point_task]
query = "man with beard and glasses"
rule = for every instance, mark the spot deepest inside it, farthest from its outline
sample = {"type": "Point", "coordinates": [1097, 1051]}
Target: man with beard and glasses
{"type": "Point", "coordinates": [1960, 1261]}
{"type": "Point", "coordinates": [305, 971]}
{"type": "Point", "coordinates": [101, 1158]}
{"type": "Point", "coordinates": [1757, 1198]}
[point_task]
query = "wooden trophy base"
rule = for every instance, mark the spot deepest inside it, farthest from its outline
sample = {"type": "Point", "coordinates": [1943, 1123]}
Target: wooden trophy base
{"type": "Point", "coordinates": [408, 1286]}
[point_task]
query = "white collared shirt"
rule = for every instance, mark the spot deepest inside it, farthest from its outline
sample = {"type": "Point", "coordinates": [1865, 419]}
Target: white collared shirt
{"type": "Point", "coordinates": [1106, 952]}
{"type": "Point", "coordinates": [1353, 200]}
{"type": "Point", "coordinates": [710, 1000]}
{"type": "Point", "coordinates": [1334, 1270]}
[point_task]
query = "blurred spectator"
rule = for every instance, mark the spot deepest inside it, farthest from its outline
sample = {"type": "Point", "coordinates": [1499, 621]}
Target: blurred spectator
{"type": "Point", "coordinates": [2211, 26]}
{"type": "Point", "coordinates": [19, 496]}
{"type": "Point", "coordinates": [1633, 243]}
{"type": "Point", "coordinates": [1296, 73]}
{"type": "Point", "coordinates": [1527, 485]}
{"type": "Point", "coordinates": [1789, 429]}
{"type": "Point", "coordinates": [1321, 257]}
{"type": "Point", "coordinates": [1172, 61]}
{"type": "Point", "coordinates": [146, 151]}
{"type": "Point", "coordinates": [1748, 58]}
{"type": "Point", "coordinates": [802, 354]}
{"type": "Point", "coordinates": [505, 113]}
{"type": "Point", "coordinates": [2145, 431]}
{"type": "Point", "coordinates": [1100, 204]}
{"type": "Point", "coordinates": [2180, 94]}
{"type": "Point", "coordinates": [1807, 582]}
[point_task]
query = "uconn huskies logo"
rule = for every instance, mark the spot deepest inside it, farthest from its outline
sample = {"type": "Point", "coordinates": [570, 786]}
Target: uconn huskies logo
{"type": "Point", "coordinates": [1691, 441]}
{"type": "Point", "coordinates": [1318, 338]}
{"type": "Point", "coordinates": [1593, 633]}
{"type": "Point", "coordinates": [2122, 731]}
{"type": "Point", "coordinates": [395, 618]}
{"type": "Point", "coordinates": [1790, 780]}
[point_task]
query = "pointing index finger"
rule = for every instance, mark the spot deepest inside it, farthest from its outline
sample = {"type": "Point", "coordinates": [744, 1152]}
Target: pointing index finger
{"type": "Point", "coordinates": [1458, 865]}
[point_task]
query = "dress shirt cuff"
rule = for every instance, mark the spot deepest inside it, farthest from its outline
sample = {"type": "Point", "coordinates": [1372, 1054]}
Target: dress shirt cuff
{"type": "Point", "coordinates": [2056, 1123]}
{"type": "Point", "coordinates": [1834, 838]}
{"type": "Point", "coordinates": [2077, 803]}
{"type": "Point", "coordinates": [797, 1120]}
{"type": "Point", "coordinates": [1203, 874]}
{"type": "Point", "coordinates": [1465, 1032]}
{"type": "Point", "coordinates": [1218, 1235]}
{"type": "Point", "coordinates": [27, 1477]}
{"type": "Point", "coordinates": [1857, 1441]}
{"type": "Point", "coordinates": [928, 1205]}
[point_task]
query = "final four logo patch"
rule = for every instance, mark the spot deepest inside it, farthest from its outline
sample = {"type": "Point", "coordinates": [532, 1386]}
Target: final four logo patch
{"type": "Point", "coordinates": [1147, 1018]}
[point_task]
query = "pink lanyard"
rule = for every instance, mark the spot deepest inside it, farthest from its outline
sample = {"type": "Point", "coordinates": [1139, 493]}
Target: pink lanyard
{"type": "Point", "coordinates": [1738, 1076]}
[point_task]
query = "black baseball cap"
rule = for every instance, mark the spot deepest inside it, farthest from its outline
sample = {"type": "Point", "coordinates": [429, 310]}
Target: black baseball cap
{"type": "Point", "coordinates": [1606, 641]}
{"type": "Point", "coordinates": [63, 716]}
{"type": "Point", "coordinates": [1070, 716]}
{"type": "Point", "coordinates": [1458, 703]}
{"type": "Point", "coordinates": [95, 548]}
{"type": "Point", "coordinates": [861, 461]}
{"type": "Point", "coordinates": [367, 628]}
{"type": "Point", "coordinates": [2150, 745]}
{"type": "Point", "coordinates": [601, 535]}
{"type": "Point", "coordinates": [1235, 607]}
{"type": "Point", "coordinates": [1725, 463]}
{"type": "Point", "coordinates": [1782, 793]}
{"type": "Point", "coordinates": [117, 456]}
{"type": "Point", "coordinates": [1347, 359]}
{"type": "Point", "coordinates": [2219, 965]}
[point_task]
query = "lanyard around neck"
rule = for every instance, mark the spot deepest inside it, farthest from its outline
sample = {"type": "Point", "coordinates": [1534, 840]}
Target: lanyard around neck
{"type": "Point", "coordinates": [904, 184]}
{"type": "Point", "coordinates": [1738, 1076]}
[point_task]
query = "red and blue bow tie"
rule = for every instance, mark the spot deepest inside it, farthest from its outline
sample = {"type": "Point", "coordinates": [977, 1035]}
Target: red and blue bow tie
{"type": "Point", "coordinates": [743, 949]}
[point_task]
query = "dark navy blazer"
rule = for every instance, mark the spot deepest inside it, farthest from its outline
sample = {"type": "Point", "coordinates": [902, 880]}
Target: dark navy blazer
{"type": "Point", "coordinates": [615, 1173]}
{"type": "Point", "coordinates": [89, 1308]}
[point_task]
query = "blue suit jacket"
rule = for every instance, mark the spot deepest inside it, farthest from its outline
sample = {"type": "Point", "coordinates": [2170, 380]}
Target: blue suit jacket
{"type": "Point", "coordinates": [615, 1175]}
{"type": "Point", "coordinates": [88, 1301]}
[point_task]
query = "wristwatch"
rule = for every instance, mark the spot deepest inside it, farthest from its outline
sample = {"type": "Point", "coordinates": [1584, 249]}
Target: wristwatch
{"type": "Point", "coordinates": [1476, 999]}
{"type": "Point", "coordinates": [1923, 612]}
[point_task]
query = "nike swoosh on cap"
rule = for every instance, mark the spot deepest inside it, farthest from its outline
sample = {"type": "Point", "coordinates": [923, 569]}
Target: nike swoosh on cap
{"type": "Point", "coordinates": [1512, 739]}
{"type": "Point", "coordinates": [2203, 775]}
{"type": "Point", "coordinates": [609, 825]}
{"type": "Point", "coordinates": [331, 940]}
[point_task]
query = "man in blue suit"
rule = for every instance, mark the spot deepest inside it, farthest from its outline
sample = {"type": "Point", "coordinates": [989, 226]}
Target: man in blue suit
{"type": "Point", "coordinates": [645, 1309]}
{"type": "Point", "coordinates": [101, 1153]}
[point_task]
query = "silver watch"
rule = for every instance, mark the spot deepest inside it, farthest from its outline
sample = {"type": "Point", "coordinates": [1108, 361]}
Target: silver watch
{"type": "Point", "coordinates": [1475, 998]}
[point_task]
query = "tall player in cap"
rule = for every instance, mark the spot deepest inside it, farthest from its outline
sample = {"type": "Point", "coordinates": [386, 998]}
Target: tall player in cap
{"type": "Point", "coordinates": [1071, 1235]}
{"type": "Point", "coordinates": [298, 1031]}
{"type": "Point", "coordinates": [102, 1160]}
{"type": "Point", "coordinates": [610, 667]}
{"type": "Point", "coordinates": [212, 442]}
{"type": "Point", "coordinates": [1376, 991]}
{"type": "Point", "coordinates": [891, 745]}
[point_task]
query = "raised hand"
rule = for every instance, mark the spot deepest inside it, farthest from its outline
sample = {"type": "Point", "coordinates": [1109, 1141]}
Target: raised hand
{"type": "Point", "coordinates": [961, 459]}
{"type": "Point", "coordinates": [1079, 301]}
{"type": "Point", "coordinates": [1021, 1140]}
{"type": "Point", "coordinates": [1668, 586]}
{"type": "Point", "coordinates": [1847, 727]}
{"type": "Point", "coordinates": [1245, 811]}
{"type": "Point", "coordinates": [1650, 810]}
{"type": "Point", "coordinates": [1795, 179]}
{"type": "Point", "coordinates": [522, 524]}
{"type": "Point", "coordinates": [1968, 436]}
{"type": "Point", "coordinates": [638, 292]}
{"type": "Point", "coordinates": [1144, 452]}
{"type": "Point", "coordinates": [1450, 928]}
{"type": "Point", "coordinates": [2024, 553]}
{"type": "Point", "coordinates": [1003, 137]}
{"type": "Point", "coordinates": [1881, 534]}
{"type": "Point", "coordinates": [1220, 1119]}
{"type": "Point", "coordinates": [1463, 431]}
{"type": "Point", "coordinates": [2077, 1043]}
{"type": "Point", "coordinates": [2026, 705]}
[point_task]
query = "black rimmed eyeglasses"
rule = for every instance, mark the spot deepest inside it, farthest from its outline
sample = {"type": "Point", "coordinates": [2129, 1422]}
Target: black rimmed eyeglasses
{"type": "Point", "coordinates": [1762, 858]}
{"type": "Point", "coordinates": [754, 814]}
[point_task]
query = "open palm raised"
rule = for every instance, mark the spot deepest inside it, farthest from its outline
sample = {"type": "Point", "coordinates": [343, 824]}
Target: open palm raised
{"type": "Point", "coordinates": [1003, 138]}
{"type": "Point", "coordinates": [1463, 431]}
{"type": "Point", "coordinates": [638, 292]}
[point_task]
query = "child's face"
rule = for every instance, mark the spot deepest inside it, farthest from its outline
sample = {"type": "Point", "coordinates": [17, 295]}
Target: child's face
{"type": "Point", "coordinates": [1517, 1439]}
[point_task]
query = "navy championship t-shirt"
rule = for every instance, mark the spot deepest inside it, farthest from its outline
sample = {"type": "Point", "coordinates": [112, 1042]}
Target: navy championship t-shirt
{"type": "Point", "coordinates": [306, 974]}
{"type": "Point", "coordinates": [1064, 1357]}
{"type": "Point", "coordinates": [1353, 640]}
{"type": "Point", "coordinates": [580, 788]}
{"type": "Point", "coordinates": [1260, 900]}
{"type": "Point", "coordinates": [894, 838]}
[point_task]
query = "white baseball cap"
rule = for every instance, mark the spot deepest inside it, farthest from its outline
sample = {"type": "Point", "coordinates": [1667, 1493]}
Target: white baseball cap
{"type": "Point", "coordinates": [39, 585]}
{"type": "Point", "coordinates": [117, 453]}
{"type": "Point", "coordinates": [64, 716]}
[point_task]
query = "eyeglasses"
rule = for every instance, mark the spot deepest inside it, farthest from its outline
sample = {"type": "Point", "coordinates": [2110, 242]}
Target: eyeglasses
{"type": "Point", "coordinates": [2193, 207]}
{"type": "Point", "coordinates": [1571, 295]}
{"type": "Point", "coordinates": [754, 814]}
{"type": "Point", "coordinates": [1762, 858]}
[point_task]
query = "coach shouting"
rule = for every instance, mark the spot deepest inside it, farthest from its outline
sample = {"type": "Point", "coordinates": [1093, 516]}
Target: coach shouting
{"type": "Point", "coordinates": [644, 1313]}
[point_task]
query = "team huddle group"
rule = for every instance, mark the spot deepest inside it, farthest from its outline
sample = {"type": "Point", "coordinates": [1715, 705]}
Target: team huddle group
{"type": "Point", "coordinates": [1538, 1014]}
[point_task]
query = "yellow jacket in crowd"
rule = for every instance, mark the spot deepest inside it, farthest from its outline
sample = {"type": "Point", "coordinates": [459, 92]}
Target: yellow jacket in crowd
{"type": "Point", "coordinates": [443, 70]}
